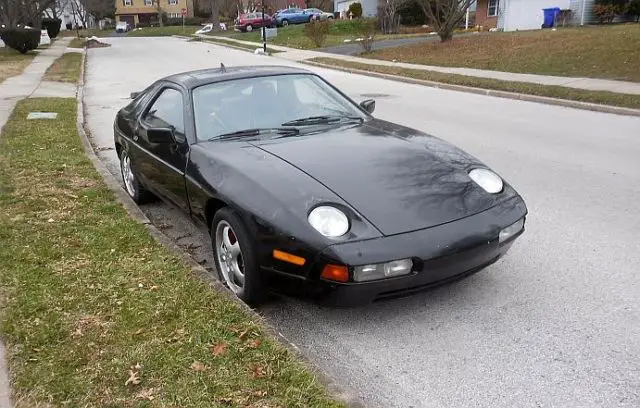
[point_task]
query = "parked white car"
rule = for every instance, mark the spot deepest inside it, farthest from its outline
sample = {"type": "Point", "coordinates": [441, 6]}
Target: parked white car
{"type": "Point", "coordinates": [122, 27]}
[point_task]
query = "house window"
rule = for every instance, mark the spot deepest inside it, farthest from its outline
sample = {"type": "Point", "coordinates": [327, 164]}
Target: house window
{"type": "Point", "coordinates": [173, 2]}
{"type": "Point", "coordinates": [126, 2]}
{"type": "Point", "coordinates": [492, 10]}
{"type": "Point", "coordinates": [148, 2]}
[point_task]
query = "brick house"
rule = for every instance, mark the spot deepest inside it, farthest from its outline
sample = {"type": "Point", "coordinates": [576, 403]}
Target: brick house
{"type": "Point", "coordinates": [145, 12]}
{"type": "Point", "coordinates": [487, 13]}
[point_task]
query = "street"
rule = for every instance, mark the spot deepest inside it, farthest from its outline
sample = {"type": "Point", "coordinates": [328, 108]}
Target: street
{"type": "Point", "coordinates": [554, 323]}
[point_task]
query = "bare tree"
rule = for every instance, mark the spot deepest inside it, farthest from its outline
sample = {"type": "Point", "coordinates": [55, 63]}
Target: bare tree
{"type": "Point", "coordinates": [388, 16]}
{"type": "Point", "coordinates": [444, 15]}
{"type": "Point", "coordinates": [20, 12]}
{"type": "Point", "coordinates": [159, 9]}
{"type": "Point", "coordinates": [99, 9]}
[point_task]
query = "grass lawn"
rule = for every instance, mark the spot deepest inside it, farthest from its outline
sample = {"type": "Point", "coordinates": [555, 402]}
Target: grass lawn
{"type": "Point", "coordinates": [95, 313]}
{"type": "Point", "coordinates": [65, 69]}
{"type": "Point", "coordinates": [247, 47]}
{"type": "Point", "coordinates": [600, 97]}
{"type": "Point", "coordinates": [293, 36]}
{"type": "Point", "coordinates": [611, 52]}
{"type": "Point", "coordinates": [77, 43]}
{"type": "Point", "coordinates": [163, 31]}
{"type": "Point", "coordinates": [13, 63]}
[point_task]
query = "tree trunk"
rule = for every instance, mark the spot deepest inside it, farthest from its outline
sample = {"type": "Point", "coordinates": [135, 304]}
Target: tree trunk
{"type": "Point", "coordinates": [160, 22]}
{"type": "Point", "coordinates": [215, 14]}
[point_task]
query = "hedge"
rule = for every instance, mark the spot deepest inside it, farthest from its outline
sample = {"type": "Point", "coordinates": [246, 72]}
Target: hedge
{"type": "Point", "coordinates": [21, 39]}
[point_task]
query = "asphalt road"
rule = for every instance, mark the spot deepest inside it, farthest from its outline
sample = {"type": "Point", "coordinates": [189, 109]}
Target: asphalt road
{"type": "Point", "coordinates": [556, 323]}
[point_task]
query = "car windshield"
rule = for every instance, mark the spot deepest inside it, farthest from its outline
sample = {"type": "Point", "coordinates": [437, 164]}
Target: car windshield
{"type": "Point", "coordinates": [269, 102]}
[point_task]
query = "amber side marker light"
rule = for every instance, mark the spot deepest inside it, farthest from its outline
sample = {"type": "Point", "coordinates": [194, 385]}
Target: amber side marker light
{"type": "Point", "coordinates": [284, 256]}
{"type": "Point", "coordinates": [337, 273]}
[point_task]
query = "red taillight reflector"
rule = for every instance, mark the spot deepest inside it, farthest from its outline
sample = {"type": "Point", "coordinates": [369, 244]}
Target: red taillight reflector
{"type": "Point", "coordinates": [284, 256]}
{"type": "Point", "coordinates": [339, 273]}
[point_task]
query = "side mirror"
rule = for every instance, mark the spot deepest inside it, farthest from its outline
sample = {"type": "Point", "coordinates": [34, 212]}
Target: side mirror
{"type": "Point", "coordinates": [160, 135]}
{"type": "Point", "coordinates": [369, 105]}
{"type": "Point", "coordinates": [134, 95]}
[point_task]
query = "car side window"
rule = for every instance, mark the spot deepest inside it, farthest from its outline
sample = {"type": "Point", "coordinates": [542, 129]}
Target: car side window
{"type": "Point", "coordinates": [166, 111]}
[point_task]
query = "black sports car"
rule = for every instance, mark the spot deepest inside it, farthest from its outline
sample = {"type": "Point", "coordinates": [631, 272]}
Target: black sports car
{"type": "Point", "coordinates": [303, 189]}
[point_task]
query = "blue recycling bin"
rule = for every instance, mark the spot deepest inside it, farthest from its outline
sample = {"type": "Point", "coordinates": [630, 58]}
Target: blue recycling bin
{"type": "Point", "coordinates": [550, 15]}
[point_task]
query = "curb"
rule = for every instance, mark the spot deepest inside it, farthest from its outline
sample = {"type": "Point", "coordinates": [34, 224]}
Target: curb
{"type": "Point", "coordinates": [345, 396]}
{"type": "Point", "coordinates": [488, 92]}
{"type": "Point", "coordinates": [221, 44]}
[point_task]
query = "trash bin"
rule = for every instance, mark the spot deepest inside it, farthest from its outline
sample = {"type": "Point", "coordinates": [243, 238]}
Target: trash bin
{"type": "Point", "coordinates": [550, 15]}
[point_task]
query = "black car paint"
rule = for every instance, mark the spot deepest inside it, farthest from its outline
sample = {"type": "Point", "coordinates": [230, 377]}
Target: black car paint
{"type": "Point", "coordinates": [406, 193]}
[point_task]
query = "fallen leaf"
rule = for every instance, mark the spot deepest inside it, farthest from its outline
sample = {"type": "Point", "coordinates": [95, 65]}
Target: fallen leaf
{"type": "Point", "coordinates": [255, 343]}
{"type": "Point", "coordinates": [198, 366]}
{"type": "Point", "coordinates": [50, 220]}
{"type": "Point", "coordinates": [139, 331]}
{"type": "Point", "coordinates": [219, 349]}
{"type": "Point", "coordinates": [154, 287]}
{"type": "Point", "coordinates": [137, 366]}
{"type": "Point", "coordinates": [257, 370]}
{"type": "Point", "coordinates": [146, 394]}
{"type": "Point", "coordinates": [225, 400]}
{"type": "Point", "coordinates": [259, 393]}
{"type": "Point", "coordinates": [243, 334]}
{"type": "Point", "coordinates": [134, 378]}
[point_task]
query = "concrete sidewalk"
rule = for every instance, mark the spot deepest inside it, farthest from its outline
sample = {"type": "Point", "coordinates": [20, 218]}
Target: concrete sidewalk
{"type": "Point", "coordinates": [590, 84]}
{"type": "Point", "coordinates": [11, 91]}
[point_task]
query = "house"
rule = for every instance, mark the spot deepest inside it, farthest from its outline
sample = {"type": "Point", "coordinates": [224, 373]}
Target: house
{"type": "Point", "coordinates": [72, 13]}
{"type": "Point", "coordinates": [145, 12]}
{"type": "Point", "coordinates": [369, 7]}
{"type": "Point", "coordinates": [512, 15]}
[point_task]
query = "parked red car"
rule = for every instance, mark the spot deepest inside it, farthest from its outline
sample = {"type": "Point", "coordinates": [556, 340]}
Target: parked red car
{"type": "Point", "coordinates": [249, 21]}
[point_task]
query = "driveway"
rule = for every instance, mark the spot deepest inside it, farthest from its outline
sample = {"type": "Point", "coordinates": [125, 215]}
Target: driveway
{"type": "Point", "coordinates": [555, 323]}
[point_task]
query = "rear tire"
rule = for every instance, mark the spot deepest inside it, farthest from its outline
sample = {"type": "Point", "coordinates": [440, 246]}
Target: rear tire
{"type": "Point", "coordinates": [235, 257]}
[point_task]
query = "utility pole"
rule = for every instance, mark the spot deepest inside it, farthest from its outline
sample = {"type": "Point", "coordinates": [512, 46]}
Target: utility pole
{"type": "Point", "coordinates": [264, 31]}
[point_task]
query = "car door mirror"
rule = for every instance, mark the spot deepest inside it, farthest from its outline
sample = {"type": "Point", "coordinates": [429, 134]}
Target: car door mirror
{"type": "Point", "coordinates": [134, 95]}
{"type": "Point", "coordinates": [160, 135]}
{"type": "Point", "coordinates": [369, 105]}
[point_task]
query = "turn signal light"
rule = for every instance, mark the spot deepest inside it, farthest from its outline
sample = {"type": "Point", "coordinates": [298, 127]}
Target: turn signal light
{"type": "Point", "coordinates": [287, 257]}
{"type": "Point", "coordinates": [338, 273]}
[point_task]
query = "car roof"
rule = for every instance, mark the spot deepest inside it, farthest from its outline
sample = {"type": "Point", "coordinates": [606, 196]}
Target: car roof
{"type": "Point", "coordinates": [193, 79]}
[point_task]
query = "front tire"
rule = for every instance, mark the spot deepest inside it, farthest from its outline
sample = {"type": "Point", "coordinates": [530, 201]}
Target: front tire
{"type": "Point", "coordinates": [235, 257]}
{"type": "Point", "coordinates": [285, 23]}
{"type": "Point", "coordinates": [249, 28]}
{"type": "Point", "coordinates": [131, 184]}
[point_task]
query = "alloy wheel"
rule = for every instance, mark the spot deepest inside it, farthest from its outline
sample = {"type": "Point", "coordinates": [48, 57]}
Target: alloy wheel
{"type": "Point", "coordinates": [229, 256]}
{"type": "Point", "coordinates": [127, 174]}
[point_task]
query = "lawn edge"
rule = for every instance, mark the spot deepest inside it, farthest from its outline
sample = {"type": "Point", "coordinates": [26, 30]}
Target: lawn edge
{"type": "Point", "coordinates": [340, 393]}
{"type": "Point", "coordinates": [617, 110]}
{"type": "Point", "coordinates": [221, 44]}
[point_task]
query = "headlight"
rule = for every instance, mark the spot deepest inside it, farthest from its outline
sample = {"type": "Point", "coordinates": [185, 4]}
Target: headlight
{"type": "Point", "coordinates": [382, 270]}
{"type": "Point", "coordinates": [511, 230]}
{"type": "Point", "coordinates": [488, 180]}
{"type": "Point", "coordinates": [329, 221]}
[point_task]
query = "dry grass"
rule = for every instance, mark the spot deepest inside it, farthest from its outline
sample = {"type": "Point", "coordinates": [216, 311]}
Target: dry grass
{"type": "Point", "coordinates": [611, 52]}
{"type": "Point", "coordinates": [599, 97]}
{"type": "Point", "coordinates": [77, 43]}
{"type": "Point", "coordinates": [12, 63]}
{"type": "Point", "coordinates": [95, 313]}
{"type": "Point", "coordinates": [66, 68]}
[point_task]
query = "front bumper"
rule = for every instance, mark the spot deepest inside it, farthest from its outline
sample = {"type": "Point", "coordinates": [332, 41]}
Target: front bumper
{"type": "Point", "coordinates": [441, 254]}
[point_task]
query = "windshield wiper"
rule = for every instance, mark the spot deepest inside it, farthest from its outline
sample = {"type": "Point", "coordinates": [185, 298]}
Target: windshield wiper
{"type": "Point", "coordinates": [257, 132]}
{"type": "Point", "coordinates": [320, 120]}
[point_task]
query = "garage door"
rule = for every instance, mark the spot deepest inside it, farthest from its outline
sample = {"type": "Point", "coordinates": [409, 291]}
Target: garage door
{"type": "Point", "coordinates": [528, 14]}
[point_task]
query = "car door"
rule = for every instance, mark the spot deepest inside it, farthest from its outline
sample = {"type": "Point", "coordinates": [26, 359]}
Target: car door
{"type": "Point", "coordinates": [163, 163]}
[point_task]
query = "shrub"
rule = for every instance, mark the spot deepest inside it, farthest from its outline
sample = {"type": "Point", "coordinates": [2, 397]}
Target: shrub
{"type": "Point", "coordinates": [21, 39]}
{"type": "Point", "coordinates": [187, 21]}
{"type": "Point", "coordinates": [356, 9]}
{"type": "Point", "coordinates": [317, 31]}
{"type": "Point", "coordinates": [633, 9]}
{"type": "Point", "coordinates": [366, 30]}
{"type": "Point", "coordinates": [52, 25]}
{"type": "Point", "coordinates": [605, 13]}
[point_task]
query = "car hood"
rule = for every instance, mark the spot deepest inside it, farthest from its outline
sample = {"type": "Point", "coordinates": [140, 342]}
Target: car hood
{"type": "Point", "coordinates": [397, 178]}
